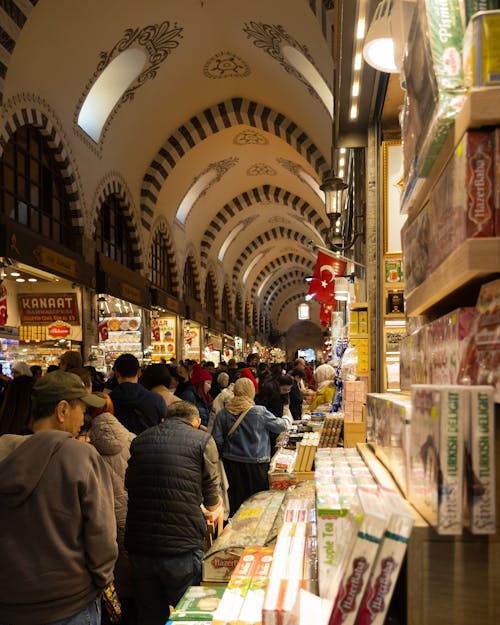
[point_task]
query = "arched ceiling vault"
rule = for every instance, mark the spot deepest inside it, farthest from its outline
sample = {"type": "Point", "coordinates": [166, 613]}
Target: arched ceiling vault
{"type": "Point", "coordinates": [221, 141]}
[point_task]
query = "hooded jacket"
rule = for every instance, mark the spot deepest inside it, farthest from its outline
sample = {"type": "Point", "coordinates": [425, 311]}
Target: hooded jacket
{"type": "Point", "coordinates": [57, 527]}
{"type": "Point", "coordinates": [112, 441]}
{"type": "Point", "coordinates": [137, 408]}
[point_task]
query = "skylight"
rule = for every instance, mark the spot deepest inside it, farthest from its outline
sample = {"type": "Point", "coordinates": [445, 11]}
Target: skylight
{"type": "Point", "coordinates": [194, 193]}
{"type": "Point", "coordinates": [108, 89]}
{"type": "Point", "coordinates": [310, 73]}
{"type": "Point", "coordinates": [231, 237]}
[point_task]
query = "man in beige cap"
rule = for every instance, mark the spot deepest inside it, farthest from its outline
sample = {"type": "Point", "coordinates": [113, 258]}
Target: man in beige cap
{"type": "Point", "coordinates": [58, 537]}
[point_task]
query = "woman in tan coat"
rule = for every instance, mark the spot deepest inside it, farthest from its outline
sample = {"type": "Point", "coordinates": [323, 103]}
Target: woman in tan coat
{"type": "Point", "coordinates": [112, 441]}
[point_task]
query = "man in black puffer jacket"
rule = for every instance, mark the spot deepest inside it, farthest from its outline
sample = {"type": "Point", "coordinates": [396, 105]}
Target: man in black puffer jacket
{"type": "Point", "coordinates": [171, 472]}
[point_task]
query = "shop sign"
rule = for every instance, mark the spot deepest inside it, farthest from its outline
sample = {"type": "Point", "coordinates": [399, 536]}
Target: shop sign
{"type": "Point", "coordinates": [173, 304]}
{"type": "Point", "coordinates": [57, 262]}
{"type": "Point", "coordinates": [59, 330]}
{"type": "Point", "coordinates": [48, 308]}
{"type": "Point", "coordinates": [130, 293]}
{"type": "Point", "coordinates": [163, 337]}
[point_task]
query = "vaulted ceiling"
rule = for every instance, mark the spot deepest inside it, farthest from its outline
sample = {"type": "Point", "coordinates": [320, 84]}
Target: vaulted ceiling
{"type": "Point", "coordinates": [220, 109]}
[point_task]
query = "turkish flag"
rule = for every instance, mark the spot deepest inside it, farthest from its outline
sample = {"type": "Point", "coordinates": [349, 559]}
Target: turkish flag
{"type": "Point", "coordinates": [325, 315]}
{"type": "Point", "coordinates": [322, 285]}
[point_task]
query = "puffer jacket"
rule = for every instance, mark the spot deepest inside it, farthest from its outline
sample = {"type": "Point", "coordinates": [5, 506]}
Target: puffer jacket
{"type": "Point", "coordinates": [250, 441]}
{"type": "Point", "coordinates": [112, 440]}
{"type": "Point", "coordinates": [171, 471]}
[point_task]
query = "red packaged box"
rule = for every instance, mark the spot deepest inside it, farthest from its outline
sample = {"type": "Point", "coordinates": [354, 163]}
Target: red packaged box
{"type": "Point", "coordinates": [497, 181]}
{"type": "Point", "coordinates": [462, 202]}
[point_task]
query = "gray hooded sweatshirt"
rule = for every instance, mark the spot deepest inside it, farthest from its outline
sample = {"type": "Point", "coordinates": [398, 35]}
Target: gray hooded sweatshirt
{"type": "Point", "coordinates": [57, 527]}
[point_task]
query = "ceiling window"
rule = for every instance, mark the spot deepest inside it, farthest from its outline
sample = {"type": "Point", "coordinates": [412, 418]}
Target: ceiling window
{"type": "Point", "coordinates": [161, 265]}
{"type": "Point", "coordinates": [108, 89]}
{"type": "Point", "coordinates": [238, 308]}
{"type": "Point", "coordinates": [226, 304]}
{"type": "Point", "coordinates": [310, 73]}
{"type": "Point", "coordinates": [210, 296]}
{"type": "Point", "coordinates": [112, 233]}
{"type": "Point", "coordinates": [32, 190]}
{"type": "Point", "coordinates": [190, 282]}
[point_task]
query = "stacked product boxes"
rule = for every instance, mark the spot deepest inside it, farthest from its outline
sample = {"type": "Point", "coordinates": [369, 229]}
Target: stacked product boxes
{"type": "Point", "coordinates": [441, 452]}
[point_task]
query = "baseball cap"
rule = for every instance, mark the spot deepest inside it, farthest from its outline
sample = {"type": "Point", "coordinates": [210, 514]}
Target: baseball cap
{"type": "Point", "coordinates": [59, 385]}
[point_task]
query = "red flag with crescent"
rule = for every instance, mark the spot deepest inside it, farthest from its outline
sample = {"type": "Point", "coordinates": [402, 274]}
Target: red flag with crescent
{"type": "Point", "coordinates": [322, 284]}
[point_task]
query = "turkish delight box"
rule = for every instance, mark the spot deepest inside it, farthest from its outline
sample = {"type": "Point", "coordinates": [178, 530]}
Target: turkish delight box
{"type": "Point", "coordinates": [436, 454]}
{"type": "Point", "coordinates": [480, 461]}
{"type": "Point", "coordinates": [451, 351]}
{"type": "Point", "coordinates": [462, 201]}
{"type": "Point", "coordinates": [497, 181]}
{"type": "Point", "coordinates": [238, 586]}
{"type": "Point", "coordinates": [197, 604]}
{"type": "Point", "coordinates": [373, 522]}
{"type": "Point", "coordinates": [387, 566]}
{"type": "Point", "coordinates": [488, 336]}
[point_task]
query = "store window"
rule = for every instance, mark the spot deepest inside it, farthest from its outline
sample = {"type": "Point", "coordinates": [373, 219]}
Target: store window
{"type": "Point", "coordinates": [210, 296]}
{"type": "Point", "coordinates": [32, 188]}
{"type": "Point", "coordinates": [190, 282]}
{"type": "Point", "coordinates": [226, 304]}
{"type": "Point", "coordinates": [161, 266]}
{"type": "Point", "coordinates": [112, 234]}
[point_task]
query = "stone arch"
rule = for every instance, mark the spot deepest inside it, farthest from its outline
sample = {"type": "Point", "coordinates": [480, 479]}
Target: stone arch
{"type": "Point", "coordinates": [278, 290]}
{"type": "Point", "coordinates": [13, 21]}
{"type": "Point", "coordinates": [233, 112]}
{"type": "Point", "coordinates": [21, 112]}
{"type": "Point", "coordinates": [265, 193]}
{"type": "Point", "coordinates": [291, 300]}
{"type": "Point", "coordinates": [114, 185]}
{"type": "Point", "coordinates": [291, 277]}
{"type": "Point", "coordinates": [277, 264]}
{"type": "Point", "coordinates": [278, 233]}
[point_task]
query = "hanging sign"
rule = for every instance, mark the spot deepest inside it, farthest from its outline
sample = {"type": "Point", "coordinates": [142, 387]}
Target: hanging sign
{"type": "Point", "coordinates": [59, 330]}
{"type": "Point", "coordinates": [47, 308]}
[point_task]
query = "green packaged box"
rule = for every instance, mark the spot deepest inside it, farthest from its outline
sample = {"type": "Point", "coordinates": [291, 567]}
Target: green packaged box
{"type": "Point", "coordinates": [198, 603]}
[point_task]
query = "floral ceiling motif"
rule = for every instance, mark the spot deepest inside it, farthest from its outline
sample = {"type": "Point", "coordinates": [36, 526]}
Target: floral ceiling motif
{"type": "Point", "coordinates": [260, 169]}
{"type": "Point", "coordinates": [226, 65]}
{"type": "Point", "coordinates": [250, 137]}
{"type": "Point", "coordinates": [156, 40]}
{"type": "Point", "coordinates": [272, 38]}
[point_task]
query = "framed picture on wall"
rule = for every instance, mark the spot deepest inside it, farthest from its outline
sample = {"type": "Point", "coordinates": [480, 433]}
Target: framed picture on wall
{"type": "Point", "coordinates": [393, 270]}
{"type": "Point", "coordinates": [392, 183]}
{"type": "Point", "coordinates": [395, 303]}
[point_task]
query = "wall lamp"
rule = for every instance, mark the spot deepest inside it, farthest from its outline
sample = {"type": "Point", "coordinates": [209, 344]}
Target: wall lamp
{"type": "Point", "coordinates": [385, 40]}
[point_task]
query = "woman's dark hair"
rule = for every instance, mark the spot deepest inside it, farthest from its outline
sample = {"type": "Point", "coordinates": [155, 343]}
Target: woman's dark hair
{"type": "Point", "coordinates": [15, 412]}
{"type": "Point", "coordinates": [284, 380]}
{"type": "Point", "coordinates": [156, 375]}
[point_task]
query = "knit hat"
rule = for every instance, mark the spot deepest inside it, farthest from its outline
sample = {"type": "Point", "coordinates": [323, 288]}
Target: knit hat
{"type": "Point", "coordinates": [199, 374]}
{"type": "Point", "coordinates": [246, 373]}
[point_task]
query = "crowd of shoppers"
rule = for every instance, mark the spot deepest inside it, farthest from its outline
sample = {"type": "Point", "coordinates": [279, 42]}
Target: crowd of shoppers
{"type": "Point", "coordinates": [109, 484]}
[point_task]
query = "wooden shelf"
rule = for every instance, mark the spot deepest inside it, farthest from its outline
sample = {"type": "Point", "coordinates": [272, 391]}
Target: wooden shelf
{"type": "Point", "coordinates": [473, 259]}
{"type": "Point", "coordinates": [358, 306]}
{"type": "Point", "coordinates": [481, 108]}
